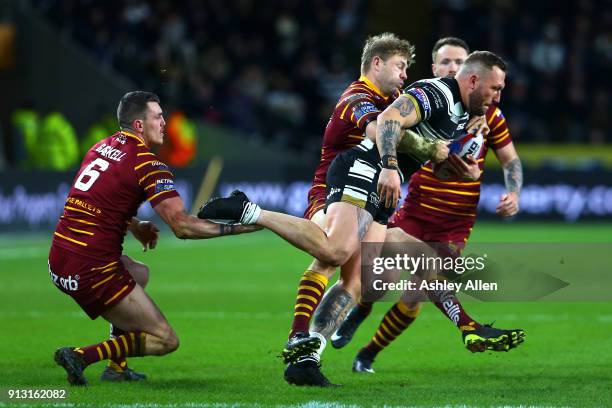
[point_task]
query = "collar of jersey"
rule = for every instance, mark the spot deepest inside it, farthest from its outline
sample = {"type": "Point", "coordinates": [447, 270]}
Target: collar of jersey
{"type": "Point", "coordinates": [126, 133]}
{"type": "Point", "coordinates": [371, 85]}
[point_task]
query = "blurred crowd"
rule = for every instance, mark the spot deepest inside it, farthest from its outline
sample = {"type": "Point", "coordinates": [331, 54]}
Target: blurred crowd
{"type": "Point", "coordinates": [274, 69]}
{"type": "Point", "coordinates": [560, 55]}
{"type": "Point", "coordinates": [267, 68]}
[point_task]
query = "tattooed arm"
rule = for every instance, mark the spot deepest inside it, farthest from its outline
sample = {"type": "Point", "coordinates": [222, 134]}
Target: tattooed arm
{"type": "Point", "coordinates": [423, 149]}
{"type": "Point", "coordinates": [513, 178]}
{"type": "Point", "coordinates": [400, 115]}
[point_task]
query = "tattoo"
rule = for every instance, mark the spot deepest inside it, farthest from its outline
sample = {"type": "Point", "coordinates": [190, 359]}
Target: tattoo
{"type": "Point", "coordinates": [403, 105]}
{"type": "Point", "coordinates": [417, 146]}
{"type": "Point", "coordinates": [226, 229]}
{"type": "Point", "coordinates": [513, 175]}
{"type": "Point", "coordinates": [332, 310]}
{"type": "Point", "coordinates": [364, 220]}
{"type": "Point", "coordinates": [390, 134]}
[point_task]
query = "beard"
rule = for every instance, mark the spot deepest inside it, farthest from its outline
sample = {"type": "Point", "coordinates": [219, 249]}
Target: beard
{"type": "Point", "coordinates": [475, 103]}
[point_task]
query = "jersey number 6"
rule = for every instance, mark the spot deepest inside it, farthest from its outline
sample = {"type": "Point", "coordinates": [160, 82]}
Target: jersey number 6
{"type": "Point", "coordinates": [90, 172]}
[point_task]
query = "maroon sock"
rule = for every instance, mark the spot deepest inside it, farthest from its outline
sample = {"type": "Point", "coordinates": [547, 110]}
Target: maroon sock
{"type": "Point", "coordinates": [127, 345]}
{"type": "Point", "coordinates": [396, 320]}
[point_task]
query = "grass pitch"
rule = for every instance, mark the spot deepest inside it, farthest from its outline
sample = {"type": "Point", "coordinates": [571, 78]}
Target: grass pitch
{"type": "Point", "coordinates": [230, 300]}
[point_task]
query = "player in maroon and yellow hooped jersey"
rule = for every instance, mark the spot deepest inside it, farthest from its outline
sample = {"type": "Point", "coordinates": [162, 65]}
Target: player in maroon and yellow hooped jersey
{"type": "Point", "coordinates": [384, 62]}
{"type": "Point", "coordinates": [116, 176]}
{"type": "Point", "coordinates": [441, 211]}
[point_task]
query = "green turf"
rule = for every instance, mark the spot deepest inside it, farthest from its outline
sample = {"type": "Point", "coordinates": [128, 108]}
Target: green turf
{"type": "Point", "coordinates": [230, 300]}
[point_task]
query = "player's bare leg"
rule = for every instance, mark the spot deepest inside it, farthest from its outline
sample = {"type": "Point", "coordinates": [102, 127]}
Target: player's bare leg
{"type": "Point", "coordinates": [147, 333]}
{"type": "Point", "coordinates": [117, 369]}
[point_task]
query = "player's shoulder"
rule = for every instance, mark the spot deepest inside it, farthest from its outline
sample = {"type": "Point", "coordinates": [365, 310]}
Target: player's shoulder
{"type": "Point", "coordinates": [494, 112]}
{"type": "Point", "coordinates": [357, 90]}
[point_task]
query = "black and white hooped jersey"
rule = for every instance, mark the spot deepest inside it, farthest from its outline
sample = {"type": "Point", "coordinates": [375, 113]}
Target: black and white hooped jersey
{"type": "Point", "coordinates": [441, 112]}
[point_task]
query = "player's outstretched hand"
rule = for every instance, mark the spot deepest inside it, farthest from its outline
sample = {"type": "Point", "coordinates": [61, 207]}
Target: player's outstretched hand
{"type": "Point", "coordinates": [389, 187]}
{"type": "Point", "coordinates": [508, 205]}
{"type": "Point", "coordinates": [147, 233]}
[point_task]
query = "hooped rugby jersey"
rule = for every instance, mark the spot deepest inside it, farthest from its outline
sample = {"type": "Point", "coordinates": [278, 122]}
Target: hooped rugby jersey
{"type": "Point", "coordinates": [116, 176]}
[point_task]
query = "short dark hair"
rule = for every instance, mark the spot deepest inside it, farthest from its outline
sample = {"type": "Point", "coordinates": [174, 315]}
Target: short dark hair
{"type": "Point", "coordinates": [385, 46]}
{"type": "Point", "coordinates": [484, 59]}
{"type": "Point", "coordinates": [454, 41]}
{"type": "Point", "coordinates": [133, 105]}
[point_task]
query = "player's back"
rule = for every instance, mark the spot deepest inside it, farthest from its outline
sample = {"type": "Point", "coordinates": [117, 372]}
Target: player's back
{"type": "Point", "coordinates": [116, 176]}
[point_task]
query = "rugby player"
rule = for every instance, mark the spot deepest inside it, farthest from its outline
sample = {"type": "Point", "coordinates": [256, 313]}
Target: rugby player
{"type": "Point", "coordinates": [116, 176]}
{"type": "Point", "coordinates": [443, 212]}
{"type": "Point", "coordinates": [354, 197]}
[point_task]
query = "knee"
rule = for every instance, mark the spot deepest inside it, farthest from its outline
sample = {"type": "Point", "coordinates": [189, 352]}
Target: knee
{"type": "Point", "coordinates": [170, 342]}
{"type": "Point", "coordinates": [140, 273]}
{"type": "Point", "coordinates": [337, 256]}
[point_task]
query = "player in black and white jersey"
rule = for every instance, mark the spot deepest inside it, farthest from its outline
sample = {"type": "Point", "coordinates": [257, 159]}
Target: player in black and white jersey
{"type": "Point", "coordinates": [363, 185]}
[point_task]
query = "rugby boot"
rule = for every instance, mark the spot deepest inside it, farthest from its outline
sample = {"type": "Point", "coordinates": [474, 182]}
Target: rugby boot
{"type": "Point", "coordinates": [235, 208]}
{"type": "Point", "coordinates": [363, 363]}
{"type": "Point", "coordinates": [488, 337]}
{"type": "Point", "coordinates": [307, 371]}
{"type": "Point", "coordinates": [298, 346]}
{"type": "Point", "coordinates": [349, 326]}
{"type": "Point", "coordinates": [73, 363]}
{"type": "Point", "coordinates": [112, 375]}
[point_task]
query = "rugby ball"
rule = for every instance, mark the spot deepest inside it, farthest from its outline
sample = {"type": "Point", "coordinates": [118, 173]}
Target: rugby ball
{"type": "Point", "coordinates": [468, 144]}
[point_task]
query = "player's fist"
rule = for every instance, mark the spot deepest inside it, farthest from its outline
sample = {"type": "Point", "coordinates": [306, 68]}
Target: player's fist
{"type": "Point", "coordinates": [389, 187]}
{"type": "Point", "coordinates": [440, 152]}
{"type": "Point", "coordinates": [508, 205]}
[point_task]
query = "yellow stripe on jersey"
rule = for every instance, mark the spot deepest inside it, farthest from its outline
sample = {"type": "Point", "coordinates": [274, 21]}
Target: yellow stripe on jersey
{"type": "Point", "coordinates": [320, 185]}
{"type": "Point", "coordinates": [492, 116]}
{"type": "Point", "coordinates": [158, 194]}
{"type": "Point", "coordinates": [496, 137]}
{"type": "Point", "coordinates": [102, 282]}
{"type": "Point", "coordinates": [80, 231]}
{"type": "Point", "coordinates": [452, 183]}
{"type": "Point", "coordinates": [155, 172]}
{"type": "Point", "coordinates": [77, 220]}
{"type": "Point", "coordinates": [446, 190]}
{"type": "Point", "coordinates": [70, 239]}
{"type": "Point", "coordinates": [129, 134]}
{"type": "Point", "coordinates": [452, 202]}
{"type": "Point", "coordinates": [502, 139]}
{"type": "Point", "coordinates": [110, 268]}
{"type": "Point", "coordinates": [116, 294]}
{"type": "Point", "coordinates": [145, 154]}
{"type": "Point", "coordinates": [79, 210]}
{"type": "Point", "coordinates": [360, 137]}
{"type": "Point", "coordinates": [143, 164]}
{"type": "Point", "coordinates": [431, 207]}
{"type": "Point", "coordinates": [105, 266]}
{"type": "Point", "coordinates": [499, 124]}
{"type": "Point", "coordinates": [149, 186]}
{"type": "Point", "coordinates": [416, 105]}
{"type": "Point", "coordinates": [344, 111]}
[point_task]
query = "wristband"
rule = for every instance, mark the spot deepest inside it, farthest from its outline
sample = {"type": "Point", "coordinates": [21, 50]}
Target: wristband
{"type": "Point", "coordinates": [389, 162]}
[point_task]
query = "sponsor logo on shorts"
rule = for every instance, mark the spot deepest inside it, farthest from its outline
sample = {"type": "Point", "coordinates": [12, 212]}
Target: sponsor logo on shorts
{"type": "Point", "coordinates": [68, 283]}
{"type": "Point", "coordinates": [374, 199]}
{"type": "Point", "coordinates": [333, 191]}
